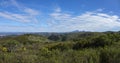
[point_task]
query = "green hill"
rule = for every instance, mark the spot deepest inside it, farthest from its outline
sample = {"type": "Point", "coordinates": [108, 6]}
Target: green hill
{"type": "Point", "coordinates": [79, 47]}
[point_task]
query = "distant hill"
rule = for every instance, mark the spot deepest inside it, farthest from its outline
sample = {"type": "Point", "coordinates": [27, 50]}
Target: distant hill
{"type": "Point", "coordinates": [76, 31]}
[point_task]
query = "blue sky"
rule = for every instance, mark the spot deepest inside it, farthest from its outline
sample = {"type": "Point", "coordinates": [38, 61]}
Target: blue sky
{"type": "Point", "coordinates": [59, 15]}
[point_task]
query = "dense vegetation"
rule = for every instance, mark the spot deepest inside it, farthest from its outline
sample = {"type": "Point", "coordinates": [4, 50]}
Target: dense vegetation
{"type": "Point", "coordinates": [80, 47]}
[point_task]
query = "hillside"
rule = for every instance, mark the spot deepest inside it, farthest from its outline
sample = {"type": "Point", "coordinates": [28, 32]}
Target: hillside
{"type": "Point", "coordinates": [75, 47]}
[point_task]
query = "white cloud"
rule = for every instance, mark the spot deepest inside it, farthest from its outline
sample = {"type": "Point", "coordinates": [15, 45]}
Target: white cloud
{"type": "Point", "coordinates": [58, 9]}
{"type": "Point", "coordinates": [28, 14]}
{"type": "Point", "coordinates": [89, 21]}
{"type": "Point", "coordinates": [31, 11]}
{"type": "Point", "coordinates": [16, 17]}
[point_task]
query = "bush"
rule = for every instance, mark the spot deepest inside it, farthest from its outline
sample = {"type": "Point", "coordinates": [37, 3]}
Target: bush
{"type": "Point", "coordinates": [110, 55]}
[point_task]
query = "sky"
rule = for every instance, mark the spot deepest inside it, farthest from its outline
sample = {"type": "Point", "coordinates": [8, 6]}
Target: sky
{"type": "Point", "coordinates": [59, 15]}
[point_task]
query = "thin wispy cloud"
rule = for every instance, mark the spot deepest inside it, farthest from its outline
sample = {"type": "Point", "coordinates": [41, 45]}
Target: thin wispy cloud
{"type": "Point", "coordinates": [17, 17]}
{"type": "Point", "coordinates": [28, 14]}
{"type": "Point", "coordinates": [57, 9]}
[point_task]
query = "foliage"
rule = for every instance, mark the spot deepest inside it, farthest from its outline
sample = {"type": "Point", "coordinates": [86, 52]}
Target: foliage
{"type": "Point", "coordinates": [82, 47]}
